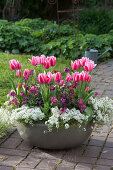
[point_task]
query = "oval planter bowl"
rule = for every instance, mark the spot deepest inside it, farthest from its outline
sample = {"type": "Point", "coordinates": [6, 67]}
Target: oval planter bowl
{"type": "Point", "coordinates": [57, 139]}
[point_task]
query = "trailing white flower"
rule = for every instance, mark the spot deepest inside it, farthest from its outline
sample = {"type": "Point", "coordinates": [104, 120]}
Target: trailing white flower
{"type": "Point", "coordinates": [73, 114]}
{"type": "Point", "coordinates": [5, 116]}
{"type": "Point", "coordinates": [103, 110]}
{"type": "Point", "coordinates": [66, 126]}
{"type": "Point", "coordinates": [27, 114]}
{"type": "Point", "coordinates": [56, 117]}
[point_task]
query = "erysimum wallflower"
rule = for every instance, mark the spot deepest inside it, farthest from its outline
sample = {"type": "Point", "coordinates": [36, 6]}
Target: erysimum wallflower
{"type": "Point", "coordinates": [54, 100]}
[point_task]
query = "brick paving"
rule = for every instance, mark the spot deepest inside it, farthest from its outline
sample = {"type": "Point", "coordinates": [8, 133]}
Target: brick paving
{"type": "Point", "coordinates": [95, 154]}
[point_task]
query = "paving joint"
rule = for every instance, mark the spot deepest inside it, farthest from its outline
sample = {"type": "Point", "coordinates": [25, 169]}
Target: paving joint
{"type": "Point", "coordinates": [98, 157]}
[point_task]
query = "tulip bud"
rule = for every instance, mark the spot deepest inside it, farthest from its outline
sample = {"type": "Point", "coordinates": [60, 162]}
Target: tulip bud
{"type": "Point", "coordinates": [18, 73]}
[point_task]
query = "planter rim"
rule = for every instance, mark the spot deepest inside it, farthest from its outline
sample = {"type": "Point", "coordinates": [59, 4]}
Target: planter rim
{"type": "Point", "coordinates": [44, 125]}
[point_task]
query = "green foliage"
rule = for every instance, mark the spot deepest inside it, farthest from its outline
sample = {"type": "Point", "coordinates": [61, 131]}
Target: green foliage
{"type": "Point", "coordinates": [95, 21]}
{"type": "Point", "coordinates": [3, 129]}
{"type": "Point", "coordinates": [39, 36]}
{"type": "Point", "coordinates": [97, 3]}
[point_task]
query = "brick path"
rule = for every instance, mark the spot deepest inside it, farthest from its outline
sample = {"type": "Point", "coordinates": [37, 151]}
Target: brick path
{"type": "Point", "coordinates": [94, 154]}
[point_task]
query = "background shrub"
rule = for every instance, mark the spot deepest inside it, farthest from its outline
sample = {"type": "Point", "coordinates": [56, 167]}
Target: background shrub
{"type": "Point", "coordinates": [39, 36]}
{"type": "Point", "coordinates": [95, 21]}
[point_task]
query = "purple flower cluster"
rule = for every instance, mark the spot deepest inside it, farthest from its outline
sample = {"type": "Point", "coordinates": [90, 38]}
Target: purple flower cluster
{"type": "Point", "coordinates": [81, 105]}
{"type": "Point", "coordinates": [62, 110]}
{"type": "Point", "coordinates": [67, 69]}
{"type": "Point", "coordinates": [54, 100]}
{"type": "Point", "coordinates": [14, 101]}
{"type": "Point", "coordinates": [33, 90]}
{"type": "Point", "coordinates": [12, 93]}
{"type": "Point", "coordinates": [52, 87]}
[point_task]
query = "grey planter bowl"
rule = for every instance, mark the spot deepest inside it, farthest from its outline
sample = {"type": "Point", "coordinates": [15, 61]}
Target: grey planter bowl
{"type": "Point", "coordinates": [57, 139]}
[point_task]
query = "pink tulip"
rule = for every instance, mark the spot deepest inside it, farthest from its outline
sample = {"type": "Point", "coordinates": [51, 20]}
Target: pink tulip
{"type": "Point", "coordinates": [61, 82]}
{"type": "Point", "coordinates": [42, 59]}
{"type": "Point", "coordinates": [57, 76]}
{"type": "Point", "coordinates": [18, 73]}
{"type": "Point", "coordinates": [13, 64]}
{"type": "Point", "coordinates": [84, 60]}
{"type": "Point", "coordinates": [89, 78]}
{"type": "Point", "coordinates": [19, 85]}
{"type": "Point", "coordinates": [34, 61]}
{"type": "Point", "coordinates": [83, 76]}
{"type": "Point", "coordinates": [47, 80]}
{"type": "Point", "coordinates": [26, 74]}
{"type": "Point", "coordinates": [89, 66]}
{"type": "Point", "coordinates": [75, 65]}
{"type": "Point", "coordinates": [47, 64]}
{"type": "Point", "coordinates": [80, 62]}
{"type": "Point", "coordinates": [52, 60]}
{"type": "Point", "coordinates": [41, 78]}
{"type": "Point", "coordinates": [18, 65]}
{"type": "Point", "coordinates": [68, 77]}
{"type": "Point", "coordinates": [24, 85]}
{"type": "Point", "coordinates": [87, 89]}
{"type": "Point", "coordinates": [76, 76]}
{"type": "Point", "coordinates": [50, 75]}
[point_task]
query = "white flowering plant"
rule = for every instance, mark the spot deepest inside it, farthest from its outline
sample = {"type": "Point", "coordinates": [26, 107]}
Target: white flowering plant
{"type": "Point", "coordinates": [58, 100]}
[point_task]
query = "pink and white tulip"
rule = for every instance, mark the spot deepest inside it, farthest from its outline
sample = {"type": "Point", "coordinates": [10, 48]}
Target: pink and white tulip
{"type": "Point", "coordinates": [68, 77]}
{"type": "Point", "coordinates": [41, 78]}
{"type": "Point", "coordinates": [34, 61]}
{"type": "Point", "coordinates": [42, 59]}
{"type": "Point", "coordinates": [13, 64]}
{"type": "Point", "coordinates": [76, 76]}
{"type": "Point", "coordinates": [50, 75]}
{"type": "Point", "coordinates": [52, 60]}
{"type": "Point", "coordinates": [57, 76]}
{"type": "Point", "coordinates": [87, 89]}
{"type": "Point", "coordinates": [89, 65]}
{"type": "Point", "coordinates": [61, 82]}
{"type": "Point", "coordinates": [83, 76]}
{"type": "Point", "coordinates": [19, 85]}
{"type": "Point", "coordinates": [18, 73]}
{"type": "Point", "coordinates": [18, 65]}
{"type": "Point", "coordinates": [84, 60]}
{"type": "Point", "coordinates": [26, 74]}
{"type": "Point", "coordinates": [89, 78]}
{"type": "Point", "coordinates": [75, 65]}
{"type": "Point", "coordinates": [47, 64]}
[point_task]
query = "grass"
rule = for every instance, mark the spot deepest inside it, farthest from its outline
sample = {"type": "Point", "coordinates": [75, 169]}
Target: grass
{"type": "Point", "coordinates": [5, 72]}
